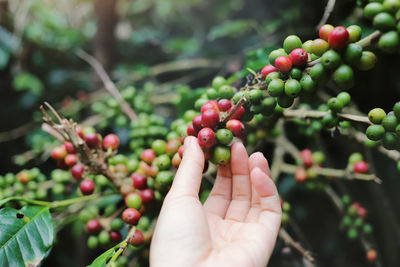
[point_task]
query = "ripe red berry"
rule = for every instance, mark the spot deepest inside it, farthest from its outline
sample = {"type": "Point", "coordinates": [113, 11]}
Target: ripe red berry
{"type": "Point", "coordinates": [224, 105]}
{"type": "Point", "coordinates": [362, 212]}
{"type": "Point", "coordinates": [61, 165]}
{"type": "Point", "coordinates": [306, 158]}
{"type": "Point", "coordinates": [212, 104]}
{"type": "Point", "coordinates": [324, 31]}
{"type": "Point", "coordinates": [139, 181]}
{"type": "Point", "coordinates": [283, 64]}
{"type": "Point", "coordinates": [267, 70]}
{"type": "Point", "coordinates": [79, 131]}
{"type": "Point", "coordinates": [23, 176]}
{"type": "Point", "coordinates": [210, 118]}
{"type": "Point", "coordinates": [236, 127]}
{"type": "Point", "coordinates": [180, 151]}
{"type": "Point", "coordinates": [176, 160]}
{"type": "Point", "coordinates": [239, 113]}
{"type": "Point", "coordinates": [131, 216]}
{"type": "Point", "coordinates": [92, 140]}
{"type": "Point", "coordinates": [148, 155]}
{"type": "Point", "coordinates": [111, 141]}
{"type": "Point", "coordinates": [59, 152]}
{"type": "Point", "coordinates": [197, 123]}
{"type": "Point", "coordinates": [300, 175]}
{"type": "Point", "coordinates": [71, 159]}
{"type": "Point", "coordinates": [147, 195]}
{"type": "Point", "coordinates": [93, 226]}
{"type": "Point", "coordinates": [115, 236]}
{"type": "Point", "coordinates": [371, 255]}
{"type": "Point", "coordinates": [206, 138]}
{"type": "Point", "coordinates": [191, 131]}
{"type": "Point", "coordinates": [87, 187]}
{"type": "Point", "coordinates": [338, 37]}
{"type": "Point", "coordinates": [137, 239]}
{"type": "Point", "coordinates": [361, 167]}
{"type": "Point", "coordinates": [69, 147]}
{"type": "Point", "coordinates": [299, 57]}
{"type": "Point", "coordinates": [77, 171]}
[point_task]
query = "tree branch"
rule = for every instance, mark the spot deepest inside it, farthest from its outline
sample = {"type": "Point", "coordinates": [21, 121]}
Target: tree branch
{"type": "Point", "coordinates": [328, 10]}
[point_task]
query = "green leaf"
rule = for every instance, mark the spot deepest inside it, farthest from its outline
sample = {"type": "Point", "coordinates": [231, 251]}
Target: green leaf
{"type": "Point", "coordinates": [27, 81]}
{"type": "Point", "coordinates": [101, 261]}
{"type": "Point", "coordinates": [25, 241]}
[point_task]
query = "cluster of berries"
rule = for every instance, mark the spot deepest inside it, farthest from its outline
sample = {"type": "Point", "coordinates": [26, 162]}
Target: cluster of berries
{"type": "Point", "coordinates": [357, 163]}
{"type": "Point", "coordinates": [309, 161]}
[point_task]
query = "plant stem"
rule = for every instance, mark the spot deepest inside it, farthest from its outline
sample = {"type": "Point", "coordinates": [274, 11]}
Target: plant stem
{"type": "Point", "coordinates": [315, 114]}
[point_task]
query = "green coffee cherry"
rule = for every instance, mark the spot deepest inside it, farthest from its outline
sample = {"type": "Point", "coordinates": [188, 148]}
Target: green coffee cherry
{"type": "Point", "coordinates": [344, 97]}
{"type": "Point", "coordinates": [372, 9]}
{"type": "Point", "coordinates": [389, 42]}
{"type": "Point", "coordinates": [390, 122]}
{"type": "Point", "coordinates": [344, 77]}
{"type": "Point", "coordinates": [308, 84]}
{"type": "Point", "coordinates": [275, 54]}
{"type": "Point", "coordinates": [224, 136]}
{"type": "Point", "coordinates": [218, 81]}
{"type": "Point", "coordinates": [375, 132]}
{"type": "Point", "coordinates": [367, 62]}
{"type": "Point", "coordinates": [307, 46]}
{"type": "Point", "coordinates": [396, 110]}
{"type": "Point", "coordinates": [384, 22]}
{"type": "Point", "coordinates": [212, 93]}
{"type": "Point", "coordinates": [295, 73]}
{"type": "Point", "coordinates": [226, 91]}
{"type": "Point", "coordinates": [255, 95]}
{"type": "Point", "coordinates": [376, 115]}
{"type": "Point", "coordinates": [92, 242]}
{"type": "Point", "coordinates": [391, 6]}
{"type": "Point", "coordinates": [353, 53]}
{"type": "Point", "coordinates": [285, 101]}
{"type": "Point", "coordinates": [355, 33]}
{"type": "Point", "coordinates": [276, 87]}
{"type": "Point", "coordinates": [221, 155]}
{"type": "Point", "coordinates": [271, 76]}
{"type": "Point", "coordinates": [159, 146]}
{"type": "Point", "coordinates": [163, 162]}
{"type": "Point", "coordinates": [292, 88]}
{"type": "Point", "coordinates": [164, 178]}
{"type": "Point", "coordinates": [335, 105]}
{"type": "Point", "coordinates": [292, 42]}
{"type": "Point", "coordinates": [268, 104]}
{"type": "Point", "coordinates": [390, 141]}
{"type": "Point", "coordinates": [330, 121]}
{"type": "Point", "coordinates": [104, 237]}
{"type": "Point", "coordinates": [317, 72]}
{"type": "Point", "coordinates": [331, 59]}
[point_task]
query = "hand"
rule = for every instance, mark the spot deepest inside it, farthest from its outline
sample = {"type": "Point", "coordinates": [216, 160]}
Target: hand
{"type": "Point", "coordinates": [238, 224]}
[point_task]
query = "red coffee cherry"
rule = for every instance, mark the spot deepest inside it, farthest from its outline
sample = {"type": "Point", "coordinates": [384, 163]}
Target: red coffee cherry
{"type": "Point", "coordinates": [299, 57]}
{"type": "Point", "coordinates": [59, 153]}
{"type": "Point", "coordinates": [93, 226]}
{"type": "Point", "coordinates": [191, 131]}
{"type": "Point", "coordinates": [300, 175]}
{"type": "Point", "coordinates": [361, 167]}
{"type": "Point", "coordinates": [147, 195]}
{"type": "Point", "coordinates": [71, 159]}
{"type": "Point", "coordinates": [197, 123]}
{"type": "Point", "coordinates": [111, 141]}
{"type": "Point", "coordinates": [139, 181]}
{"type": "Point", "coordinates": [176, 160]}
{"type": "Point", "coordinates": [137, 239]}
{"type": "Point", "coordinates": [148, 155]}
{"type": "Point", "coordinates": [267, 70]}
{"type": "Point", "coordinates": [92, 140]}
{"type": "Point", "coordinates": [212, 104]}
{"type": "Point", "coordinates": [77, 171]}
{"type": "Point", "coordinates": [87, 187]}
{"type": "Point", "coordinates": [69, 147]}
{"type": "Point", "coordinates": [239, 113]}
{"type": "Point", "coordinates": [283, 64]}
{"type": "Point", "coordinates": [61, 165]}
{"type": "Point", "coordinates": [236, 127]}
{"type": "Point", "coordinates": [115, 236]}
{"type": "Point", "coordinates": [324, 31]}
{"type": "Point", "coordinates": [180, 151]}
{"type": "Point", "coordinates": [130, 216]}
{"type": "Point", "coordinates": [338, 38]}
{"type": "Point", "coordinates": [79, 131]}
{"type": "Point", "coordinates": [371, 255]}
{"type": "Point", "coordinates": [206, 138]}
{"type": "Point", "coordinates": [362, 212]}
{"type": "Point", "coordinates": [306, 158]}
{"type": "Point", "coordinates": [210, 118]}
{"type": "Point", "coordinates": [224, 105]}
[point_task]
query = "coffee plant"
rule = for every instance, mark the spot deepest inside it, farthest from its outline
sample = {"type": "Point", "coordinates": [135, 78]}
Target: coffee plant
{"type": "Point", "coordinates": [112, 169]}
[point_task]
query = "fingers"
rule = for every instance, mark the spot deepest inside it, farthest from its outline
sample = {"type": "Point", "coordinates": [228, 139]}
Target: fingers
{"type": "Point", "coordinates": [270, 213]}
{"type": "Point", "coordinates": [256, 160]}
{"type": "Point", "coordinates": [220, 196]}
{"type": "Point", "coordinates": [188, 177]}
{"type": "Point", "coordinates": [241, 186]}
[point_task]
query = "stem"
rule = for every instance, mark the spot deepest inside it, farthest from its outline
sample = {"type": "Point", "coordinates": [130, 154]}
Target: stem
{"type": "Point", "coordinates": [122, 246]}
{"type": "Point", "coordinates": [289, 240]}
{"type": "Point", "coordinates": [235, 109]}
{"type": "Point", "coordinates": [315, 114]}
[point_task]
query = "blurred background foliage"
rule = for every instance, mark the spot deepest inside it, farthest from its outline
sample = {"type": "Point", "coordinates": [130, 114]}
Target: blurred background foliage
{"type": "Point", "coordinates": [167, 48]}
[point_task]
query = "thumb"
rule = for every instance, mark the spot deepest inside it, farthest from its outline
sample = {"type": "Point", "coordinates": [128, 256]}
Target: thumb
{"type": "Point", "coordinates": [188, 177]}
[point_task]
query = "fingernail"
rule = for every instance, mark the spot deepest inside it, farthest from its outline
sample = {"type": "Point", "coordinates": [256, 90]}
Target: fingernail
{"type": "Point", "coordinates": [188, 142]}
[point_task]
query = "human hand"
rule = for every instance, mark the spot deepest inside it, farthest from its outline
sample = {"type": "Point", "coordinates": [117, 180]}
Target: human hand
{"type": "Point", "coordinates": [238, 224]}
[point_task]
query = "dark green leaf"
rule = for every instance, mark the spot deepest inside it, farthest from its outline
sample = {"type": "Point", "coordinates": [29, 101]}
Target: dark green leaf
{"type": "Point", "coordinates": [101, 261]}
{"type": "Point", "coordinates": [25, 239]}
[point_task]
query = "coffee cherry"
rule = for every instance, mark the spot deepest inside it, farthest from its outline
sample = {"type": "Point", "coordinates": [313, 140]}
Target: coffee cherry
{"type": "Point", "coordinates": [163, 162]}
{"type": "Point", "coordinates": [372, 9]}
{"type": "Point", "coordinates": [104, 237]}
{"type": "Point", "coordinates": [285, 101]}
{"type": "Point", "coordinates": [133, 200]}
{"type": "Point", "coordinates": [389, 42]}
{"type": "Point", "coordinates": [176, 160]}
{"type": "Point", "coordinates": [77, 171]}
{"type": "Point", "coordinates": [344, 97]}
{"type": "Point", "coordinates": [390, 122]}
{"type": "Point", "coordinates": [371, 255]}
{"type": "Point", "coordinates": [218, 81]}
{"type": "Point", "coordinates": [172, 147]}
{"type": "Point", "coordinates": [338, 38]}
{"type": "Point", "coordinates": [148, 155]}
{"type": "Point", "coordinates": [255, 96]}
{"type": "Point", "coordinates": [164, 178]}
{"type": "Point", "coordinates": [324, 31]}
{"type": "Point", "coordinates": [209, 118]}
{"type": "Point", "coordinates": [71, 159]}
{"type": "Point", "coordinates": [361, 167]}
{"type": "Point", "coordinates": [92, 140]}
{"type": "Point", "coordinates": [384, 22]}
{"type": "Point", "coordinates": [335, 105]}
{"type": "Point", "coordinates": [87, 187]}
{"type": "Point", "coordinates": [367, 62]}
{"type": "Point", "coordinates": [344, 77]}
{"type": "Point", "coordinates": [130, 216]}
{"type": "Point", "coordinates": [307, 84]}
{"type": "Point", "coordinates": [111, 141]}
{"type": "Point", "coordinates": [300, 175]}
{"type": "Point", "coordinates": [330, 120]}
{"type": "Point", "coordinates": [390, 141]}
{"type": "Point", "coordinates": [375, 132]}
{"type": "Point", "coordinates": [292, 88]}
{"type": "Point", "coordinates": [180, 151]}
{"type": "Point", "coordinates": [283, 64]}
{"type": "Point", "coordinates": [267, 70]}
{"type": "Point", "coordinates": [318, 73]}
{"type": "Point", "coordinates": [307, 46]}
{"type": "Point", "coordinates": [224, 136]}
{"type": "Point", "coordinates": [93, 226]}
{"type": "Point", "coordinates": [137, 239]}
{"type": "Point", "coordinates": [355, 33]}
{"type": "Point", "coordinates": [147, 195]}
{"type": "Point", "coordinates": [221, 155]}
{"type": "Point", "coordinates": [319, 46]}
{"type": "Point", "coordinates": [212, 93]}
{"type": "Point", "coordinates": [159, 146]}
{"type": "Point", "coordinates": [196, 123]}
{"type": "Point", "coordinates": [353, 53]}
{"type": "Point", "coordinates": [58, 153]}
{"type": "Point", "coordinates": [116, 224]}
{"type": "Point", "coordinates": [139, 181]}
{"type": "Point", "coordinates": [224, 105]}
{"type": "Point", "coordinates": [306, 158]}
{"type": "Point", "coordinates": [92, 242]}
{"type": "Point", "coordinates": [296, 73]}
{"type": "Point", "coordinates": [191, 131]}
{"type": "Point", "coordinates": [290, 43]}
{"type": "Point", "coordinates": [272, 76]}
{"type": "Point", "coordinates": [299, 57]}
{"type": "Point", "coordinates": [376, 115]}
{"type": "Point", "coordinates": [236, 127]}
{"type": "Point", "coordinates": [210, 105]}
{"type": "Point", "coordinates": [206, 138]}
{"type": "Point", "coordinates": [276, 87]}
{"type": "Point", "coordinates": [115, 236]}
{"type": "Point", "coordinates": [69, 147]}
{"type": "Point", "coordinates": [275, 54]}
{"type": "Point", "coordinates": [331, 59]}
{"type": "Point", "coordinates": [391, 6]}
{"type": "Point", "coordinates": [396, 110]}
{"type": "Point", "coordinates": [226, 91]}
{"type": "Point", "coordinates": [355, 157]}
{"type": "Point", "coordinates": [238, 114]}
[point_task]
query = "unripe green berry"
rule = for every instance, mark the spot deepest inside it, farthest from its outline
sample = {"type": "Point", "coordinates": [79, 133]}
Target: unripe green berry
{"type": "Point", "coordinates": [218, 81]}
{"type": "Point", "coordinates": [335, 105]}
{"type": "Point", "coordinates": [295, 73]}
{"type": "Point", "coordinates": [317, 72]}
{"type": "Point", "coordinates": [389, 41]}
{"type": "Point", "coordinates": [331, 59]}
{"type": "Point", "coordinates": [275, 54]}
{"type": "Point", "coordinates": [384, 22]}
{"type": "Point", "coordinates": [376, 115]}
{"type": "Point", "coordinates": [353, 53]}
{"type": "Point", "coordinates": [292, 88]}
{"type": "Point", "coordinates": [268, 104]}
{"type": "Point", "coordinates": [276, 87]}
{"type": "Point", "coordinates": [390, 141]}
{"type": "Point", "coordinates": [375, 132]}
{"type": "Point", "coordinates": [344, 97]}
{"type": "Point", "coordinates": [292, 42]}
{"type": "Point", "coordinates": [92, 242]}
{"type": "Point", "coordinates": [221, 155]}
{"type": "Point", "coordinates": [352, 233]}
{"type": "Point", "coordinates": [372, 9]}
{"type": "Point", "coordinates": [255, 95]}
{"type": "Point", "coordinates": [104, 237]}
{"type": "Point", "coordinates": [226, 91]}
{"type": "Point", "coordinates": [285, 101]}
{"type": "Point", "coordinates": [224, 136]}
{"type": "Point", "coordinates": [307, 84]}
{"type": "Point", "coordinates": [344, 77]}
{"type": "Point", "coordinates": [212, 93]}
{"type": "Point", "coordinates": [116, 224]}
{"type": "Point", "coordinates": [355, 33]}
{"type": "Point", "coordinates": [367, 228]}
{"type": "Point", "coordinates": [367, 62]}
{"type": "Point", "coordinates": [390, 122]}
{"type": "Point", "coordinates": [330, 121]}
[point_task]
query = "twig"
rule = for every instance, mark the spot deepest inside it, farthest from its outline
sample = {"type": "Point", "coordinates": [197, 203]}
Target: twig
{"type": "Point", "coordinates": [315, 114]}
{"type": "Point", "coordinates": [328, 10]}
{"type": "Point", "coordinates": [122, 247]}
{"type": "Point", "coordinates": [108, 84]}
{"type": "Point", "coordinates": [50, 130]}
{"type": "Point", "coordinates": [289, 240]}
{"type": "Point", "coordinates": [234, 109]}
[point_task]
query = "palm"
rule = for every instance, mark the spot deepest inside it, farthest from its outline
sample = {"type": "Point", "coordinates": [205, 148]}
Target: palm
{"type": "Point", "coordinates": [238, 224]}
